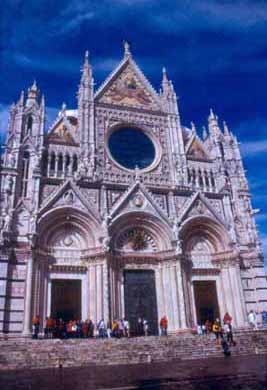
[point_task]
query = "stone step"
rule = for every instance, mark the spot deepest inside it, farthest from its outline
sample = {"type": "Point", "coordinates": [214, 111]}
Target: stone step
{"type": "Point", "coordinates": [33, 354]}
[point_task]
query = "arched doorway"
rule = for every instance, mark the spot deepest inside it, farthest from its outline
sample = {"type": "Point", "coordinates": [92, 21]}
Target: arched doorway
{"type": "Point", "coordinates": [203, 240]}
{"type": "Point", "coordinates": [138, 240]}
{"type": "Point", "coordinates": [62, 288]}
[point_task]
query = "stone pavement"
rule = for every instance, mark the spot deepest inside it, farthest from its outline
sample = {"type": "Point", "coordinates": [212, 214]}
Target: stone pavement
{"type": "Point", "coordinates": [220, 373]}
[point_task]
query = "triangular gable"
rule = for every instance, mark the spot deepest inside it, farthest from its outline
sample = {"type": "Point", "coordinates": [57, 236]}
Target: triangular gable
{"type": "Point", "coordinates": [61, 132]}
{"type": "Point", "coordinates": [137, 198]}
{"type": "Point", "coordinates": [195, 149]}
{"type": "Point", "coordinates": [199, 205]}
{"type": "Point", "coordinates": [69, 195]}
{"type": "Point", "coordinates": [127, 86]}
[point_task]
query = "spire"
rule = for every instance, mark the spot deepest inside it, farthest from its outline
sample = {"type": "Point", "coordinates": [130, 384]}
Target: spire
{"type": "Point", "coordinates": [33, 93]}
{"type": "Point", "coordinates": [165, 82]}
{"type": "Point", "coordinates": [127, 52]}
{"type": "Point", "coordinates": [193, 128]}
{"type": "Point", "coordinates": [225, 129]}
{"type": "Point", "coordinates": [213, 124]}
{"type": "Point", "coordinates": [204, 133]}
{"type": "Point", "coordinates": [21, 98]}
{"type": "Point", "coordinates": [86, 69]}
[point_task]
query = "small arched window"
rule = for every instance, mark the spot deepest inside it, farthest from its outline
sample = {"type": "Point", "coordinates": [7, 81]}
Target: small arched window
{"type": "Point", "coordinates": [29, 125]}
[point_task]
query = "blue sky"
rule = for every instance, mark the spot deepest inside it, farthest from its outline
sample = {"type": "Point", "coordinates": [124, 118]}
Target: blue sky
{"type": "Point", "coordinates": [215, 53]}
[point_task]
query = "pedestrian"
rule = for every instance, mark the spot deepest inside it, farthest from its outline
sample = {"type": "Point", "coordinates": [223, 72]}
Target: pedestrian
{"type": "Point", "coordinates": [252, 320]}
{"type": "Point", "coordinates": [35, 326]}
{"type": "Point", "coordinates": [163, 326]}
{"type": "Point", "coordinates": [199, 329]}
{"type": "Point", "coordinates": [120, 328]}
{"type": "Point", "coordinates": [145, 326]}
{"type": "Point", "coordinates": [101, 327]}
{"type": "Point", "coordinates": [91, 328]}
{"type": "Point", "coordinates": [204, 329]}
{"type": "Point", "coordinates": [61, 328]}
{"type": "Point", "coordinates": [126, 328]}
{"type": "Point", "coordinates": [217, 330]}
{"type": "Point", "coordinates": [227, 319]}
{"type": "Point", "coordinates": [225, 346]}
{"type": "Point", "coordinates": [227, 329]}
{"type": "Point", "coordinates": [85, 329]}
{"type": "Point", "coordinates": [140, 327]}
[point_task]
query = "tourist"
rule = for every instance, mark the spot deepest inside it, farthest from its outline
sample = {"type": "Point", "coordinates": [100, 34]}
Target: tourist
{"type": "Point", "coordinates": [115, 328]}
{"type": "Point", "coordinates": [225, 346]}
{"type": "Point", "coordinates": [91, 328]}
{"type": "Point", "coordinates": [227, 329]}
{"type": "Point", "coordinates": [126, 328]}
{"type": "Point", "coordinates": [145, 326]}
{"type": "Point", "coordinates": [217, 330]}
{"type": "Point", "coordinates": [69, 329]}
{"type": "Point", "coordinates": [163, 326]}
{"type": "Point", "coordinates": [109, 330]}
{"type": "Point", "coordinates": [49, 327]}
{"type": "Point", "coordinates": [35, 326]}
{"type": "Point", "coordinates": [120, 328]}
{"type": "Point", "coordinates": [208, 326]}
{"type": "Point", "coordinates": [101, 327]}
{"type": "Point", "coordinates": [140, 327]}
{"type": "Point", "coordinates": [61, 327]}
{"type": "Point", "coordinates": [85, 329]}
{"type": "Point", "coordinates": [199, 329]}
{"type": "Point", "coordinates": [227, 319]}
{"type": "Point", "coordinates": [204, 329]}
{"type": "Point", "coordinates": [252, 320]}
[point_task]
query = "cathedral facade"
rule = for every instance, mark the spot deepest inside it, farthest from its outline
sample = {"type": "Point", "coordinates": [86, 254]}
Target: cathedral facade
{"type": "Point", "coordinates": [121, 211]}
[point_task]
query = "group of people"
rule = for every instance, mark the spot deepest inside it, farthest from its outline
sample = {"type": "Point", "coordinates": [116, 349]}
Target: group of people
{"type": "Point", "coordinates": [58, 328]}
{"type": "Point", "coordinates": [218, 329]}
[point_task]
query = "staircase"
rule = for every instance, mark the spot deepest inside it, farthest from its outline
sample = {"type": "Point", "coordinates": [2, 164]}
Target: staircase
{"type": "Point", "coordinates": [35, 354]}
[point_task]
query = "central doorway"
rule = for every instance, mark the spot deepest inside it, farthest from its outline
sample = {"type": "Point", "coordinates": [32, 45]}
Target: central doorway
{"type": "Point", "coordinates": [206, 301]}
{"type": "Point", "coordinates": [140, 299]}
{"type": "Point", "coordinates": [66, 299]}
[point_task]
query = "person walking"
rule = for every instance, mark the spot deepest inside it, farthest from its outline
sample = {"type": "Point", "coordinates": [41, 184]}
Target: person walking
{"type": "Point", "coordinates": [252, 320]}
{"type": "Point", "coordinates": [35, 326]}
{"type": "Point", "coordinates": [101, 327]}
{"type": "Point", "coordinates": [163, 326]}
{"type": "Point", "coordinates": [126, 328]}
{"type": "Point", "coordinates": [217, 330]}
{"type": "Point", "coordinates": [145, 326]}
{"type": "Point", "coordinates": [227, 329]}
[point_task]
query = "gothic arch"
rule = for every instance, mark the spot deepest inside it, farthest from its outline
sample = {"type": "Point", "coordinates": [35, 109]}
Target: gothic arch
{"type": "Point", "coordinates": [156, 233]}
{"type": "Point", "coordinates": [53, 223]}
{"type": "Point", "coordinates": [214, 234]}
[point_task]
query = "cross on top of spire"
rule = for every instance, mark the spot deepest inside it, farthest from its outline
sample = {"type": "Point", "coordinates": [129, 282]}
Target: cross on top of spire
{"type": "Point", "coordinates": [127, 52]}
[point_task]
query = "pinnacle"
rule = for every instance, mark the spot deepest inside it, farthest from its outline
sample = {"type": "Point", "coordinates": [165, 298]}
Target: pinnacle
{"type": "Point", "coordinates": [127, 52]}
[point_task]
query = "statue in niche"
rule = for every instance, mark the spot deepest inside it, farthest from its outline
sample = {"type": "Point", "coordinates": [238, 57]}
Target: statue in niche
{"type": "Point", "coordinates": [69, 197]}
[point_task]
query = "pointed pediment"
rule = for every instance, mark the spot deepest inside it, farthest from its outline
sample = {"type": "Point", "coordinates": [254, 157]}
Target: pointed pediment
{"type": "Point", "coordinates": [70, 195]}
{"type": "Point", "coordinates": [138, 199]}
{"type": "Point", "coordinates": [196, 150]}
{"type": "Point", "coordinates": [127, 86]}
{"type": "Point", "coordinates": [198, 205]}
{"type": "Point", "coordinates": [62, 132]}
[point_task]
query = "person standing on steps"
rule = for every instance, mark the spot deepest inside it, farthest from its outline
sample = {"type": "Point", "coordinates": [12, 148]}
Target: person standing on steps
{"type": "Point", "coordinates": [35, 326]}
{"type": "Point", "coordinates": [252, 320]}
{"type": "Point", "coordinates": [163, 326]}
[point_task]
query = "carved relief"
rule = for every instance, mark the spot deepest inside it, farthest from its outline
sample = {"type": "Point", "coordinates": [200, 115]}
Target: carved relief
{"type": "Point", "coordinates": [136, 239]}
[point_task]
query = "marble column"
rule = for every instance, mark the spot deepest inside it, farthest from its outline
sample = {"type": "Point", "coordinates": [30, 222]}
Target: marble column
{"type": "Point", "coordinates": [28, 299]}
{"type": "Point", "coordinates": [181, 295]}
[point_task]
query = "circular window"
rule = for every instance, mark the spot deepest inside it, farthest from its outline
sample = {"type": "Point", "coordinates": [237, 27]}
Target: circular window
{"type": "Point", "coordinates": [131, 148]}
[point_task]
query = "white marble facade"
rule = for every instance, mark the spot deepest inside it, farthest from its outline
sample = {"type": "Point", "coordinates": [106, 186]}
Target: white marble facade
{"type": "Point", "coordinates": [70, 211]}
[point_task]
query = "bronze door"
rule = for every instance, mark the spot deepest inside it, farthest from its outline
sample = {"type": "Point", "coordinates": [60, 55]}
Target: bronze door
{"type": "Point", "coordinates": [140, 299]}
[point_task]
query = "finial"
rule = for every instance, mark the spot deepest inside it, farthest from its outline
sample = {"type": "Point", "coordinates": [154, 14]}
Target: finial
{"type": "Point", "coordinates": [86, 55]}
{"type": "Point", "coordinates": [34, 86]}
{"type": "Point", "coordinates": [127, 52]}
{"type": "Point", "coordinates": [204, 133]}
{"type": "Point", "coordinates": [63, 108]}
{"type": "Point", "coordinates": [212, 116]}
{"type": "Point", "coordinates": [21, 98]}
{"type": "Point", "coordinates": [193, 127]}
{"type": "Point", "coordinates": [225, 129]}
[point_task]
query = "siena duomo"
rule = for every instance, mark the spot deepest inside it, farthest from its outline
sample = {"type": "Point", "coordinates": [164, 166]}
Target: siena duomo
{"type": "Point", "coordinates": [118, 210]}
